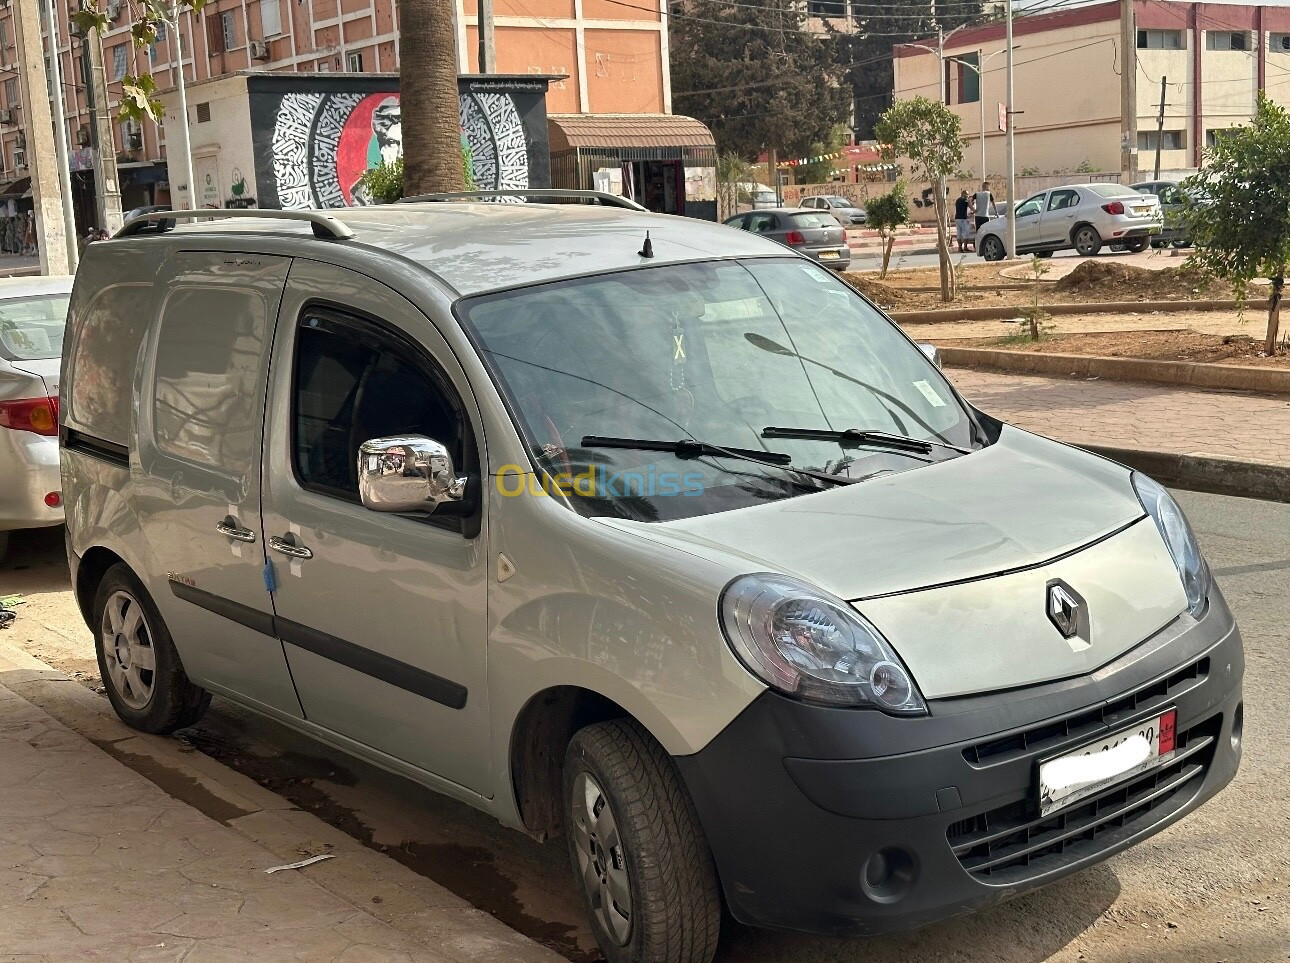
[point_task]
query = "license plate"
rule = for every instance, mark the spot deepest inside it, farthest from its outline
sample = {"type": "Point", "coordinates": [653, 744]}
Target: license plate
{"type": "Point", "coordinates": [829, 255]}
{"type": "Point", "coordinates": [1076, 775]}
{"type": "Point", "coordinates": [1142, 210]}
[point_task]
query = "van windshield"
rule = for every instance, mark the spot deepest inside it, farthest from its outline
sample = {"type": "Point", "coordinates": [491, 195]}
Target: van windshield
{"type": "Point", "coordinates": [716, 352]}
{"type": "Point", "coordinates": [31, 329]}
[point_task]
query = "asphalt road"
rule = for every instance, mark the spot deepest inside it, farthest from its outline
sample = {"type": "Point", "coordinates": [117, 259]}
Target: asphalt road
{"type": "Point", "coordinates": [871, 259]}
{"type": "Point", "coordinates": [1216, 887]}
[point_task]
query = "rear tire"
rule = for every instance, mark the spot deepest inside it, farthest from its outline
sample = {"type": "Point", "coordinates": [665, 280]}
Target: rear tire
{"type": "Point", "coordinates": [1043, 254]}
{"type": "Point", "coordinates": [1087, 241]}
{"type": "Point", "coordinates": [140, 667]}
{"type": "Point", "coordinates": [634, 838]}
{"type": "Point", "coordinates": [1136, 246]}
{"type": "Point", "coordinates": [992, 249]}
{"type": "Point", "coordinates": [1182, 243]}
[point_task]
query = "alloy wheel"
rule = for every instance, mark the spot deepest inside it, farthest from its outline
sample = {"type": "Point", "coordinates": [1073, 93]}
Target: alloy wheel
{"type": "Point", "coordinates": [127, 649]}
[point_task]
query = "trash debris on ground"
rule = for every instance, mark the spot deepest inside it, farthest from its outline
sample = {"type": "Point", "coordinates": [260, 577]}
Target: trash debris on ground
{"type": "Point", "coordinates": [7, 614]}
{"type": "Point", "coordinates": [302, 863]}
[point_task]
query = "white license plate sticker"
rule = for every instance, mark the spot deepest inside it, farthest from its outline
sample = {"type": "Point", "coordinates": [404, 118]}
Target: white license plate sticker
{"type": "Point", "coordinates": [1088, 770]}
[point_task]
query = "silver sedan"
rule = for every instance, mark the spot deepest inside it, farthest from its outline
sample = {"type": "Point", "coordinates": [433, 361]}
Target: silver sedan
{"type": "Point", "coordinates": [33, 312]}
{"type": "Point", "coordinates": [1082, 216]}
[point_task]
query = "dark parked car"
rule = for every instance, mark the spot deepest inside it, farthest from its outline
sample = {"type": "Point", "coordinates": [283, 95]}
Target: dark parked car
{"type": "Point", "coordinates": [817, 234]}
{"type": "Point", "coordinates": [1173, 201]}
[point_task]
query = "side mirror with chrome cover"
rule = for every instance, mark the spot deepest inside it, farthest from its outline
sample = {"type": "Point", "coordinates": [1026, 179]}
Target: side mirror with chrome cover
{"type": "Point", "coordinates": [407, 473]}
{"type": "Point", "coordinates": [932, 352]}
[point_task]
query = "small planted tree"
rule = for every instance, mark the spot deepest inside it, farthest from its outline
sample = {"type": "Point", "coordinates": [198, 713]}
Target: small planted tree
{"type": "Point", "coordinates": [886, 213]}
{"type": "Point", "coordinates": [1239, 212]}
{"type": "Point", "coordinates": [931, 136]}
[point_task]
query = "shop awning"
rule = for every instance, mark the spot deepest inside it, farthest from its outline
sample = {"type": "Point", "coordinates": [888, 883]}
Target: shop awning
{"type": "Point", "coordinates": [18, 188]}
{"type": "Point", "coordinates": [626, 131]}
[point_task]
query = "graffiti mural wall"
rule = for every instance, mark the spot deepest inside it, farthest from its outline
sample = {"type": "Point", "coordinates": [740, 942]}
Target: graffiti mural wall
{"type": "Point", "coordinates": [314, 135]}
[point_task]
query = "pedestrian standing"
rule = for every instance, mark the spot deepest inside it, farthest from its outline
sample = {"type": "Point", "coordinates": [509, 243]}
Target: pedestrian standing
{"type": "Point", "coordinates": [29, 243]}
{"type": "Point", "coordinates": [961, 224]}
{"type": "Point", "coordinates": [984, 204]}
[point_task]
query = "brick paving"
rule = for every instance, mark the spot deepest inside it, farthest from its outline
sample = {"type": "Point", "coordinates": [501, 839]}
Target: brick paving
{"type": "Point", "coordinates": [1151, 417]}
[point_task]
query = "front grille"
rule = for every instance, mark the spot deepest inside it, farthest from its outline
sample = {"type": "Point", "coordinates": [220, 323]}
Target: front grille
{"type": "Point", "coordinates": [1014, 843]}
{"type": "Point", "coordinates": [1085, 725]}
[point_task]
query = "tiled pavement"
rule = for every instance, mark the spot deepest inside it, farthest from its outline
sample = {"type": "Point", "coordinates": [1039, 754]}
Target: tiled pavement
{"type": "Point", "coordinates": [97, 862]}
{"type": "Point", "coordinates": [1150, 417]}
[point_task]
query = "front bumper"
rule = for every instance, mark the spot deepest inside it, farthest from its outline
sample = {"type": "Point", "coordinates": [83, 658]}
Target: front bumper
{"type": "Point", "coordinates": [28, 472]}
{"type": "Point", "coordinates": [852, 822]}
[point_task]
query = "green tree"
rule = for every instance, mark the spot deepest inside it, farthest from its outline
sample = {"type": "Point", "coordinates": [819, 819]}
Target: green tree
{"type": "Point", "coordinates": [930, 135]}
{"type": "Point", "coordinates": [754, 75]}
{"type": "Point", "coordinates": [886, 213]}
{"type": "Point", "coordinates": [1242, 227]}
{"type": "Point", "coordinates": [821, 171]}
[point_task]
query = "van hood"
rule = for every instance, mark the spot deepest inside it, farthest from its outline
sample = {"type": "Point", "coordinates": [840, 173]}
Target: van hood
{"type": "Point", "coordinates": [911, 550]}
{"type": "Point", "coordinates": [1019, 502]}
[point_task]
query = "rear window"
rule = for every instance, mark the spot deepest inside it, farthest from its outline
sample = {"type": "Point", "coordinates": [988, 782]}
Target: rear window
{"type": "Point", "coordinates": [31, 329]}
{"type": "Point", "coordinates": [1111, 190]}
{"type": "Point", "coordinates": [813, 220]}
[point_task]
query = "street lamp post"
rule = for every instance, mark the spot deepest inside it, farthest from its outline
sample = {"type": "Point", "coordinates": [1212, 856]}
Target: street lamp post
{"type": "Point", "coordinates": [60, 137]}
{"type": "Point", "coordinates": [979, 69]}
{"type": "Point", "coordinates": [1012, 144]}
{"type": "Point", "coordinates": [171, 16]}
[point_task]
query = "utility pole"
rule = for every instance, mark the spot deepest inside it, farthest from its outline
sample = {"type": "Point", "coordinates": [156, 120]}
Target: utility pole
{"type": "Point", "coordinates": [1129, 92]}
{"type": "Point", "coordinates": [487, 46]}
{"type": "Point", "coordinates": [107, 189]}
{"type": "Point", "coordinates": [60, 138]}
{"type": "Point", "coordinates": [980, 102]}
{"type": "Point", "coordinates": [1160, 126]}
{"type": "Point", "coordinates": [1012, 141]}
{"type": "Point", "coordinates": [50, 233]}
{"type": "Point", "coordinates": [183, 146]}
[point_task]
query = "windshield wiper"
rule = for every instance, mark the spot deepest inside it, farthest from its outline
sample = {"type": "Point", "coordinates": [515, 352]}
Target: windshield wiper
{"type": "Point", "coordinates": [689, 448]}
{"type": "Point", "coordinates": [857, 437]}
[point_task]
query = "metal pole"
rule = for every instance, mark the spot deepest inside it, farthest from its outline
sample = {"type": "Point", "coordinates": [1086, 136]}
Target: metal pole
{"type": "Point", "coordinates": [980, 102]}
{"type": "Point", "coordinates": [184, 147]}
{"type": "Point", "coordinates": [1129, 92]}
{"type": "Point", "coordinates": [1160, 126]}
{"type": "Point", "coordinates": [60, 140]}
{"type": "Point", "coordinates": [487, 46]}
{"type": "Point", "coordinates": [1012, 145]}
{"type": "Point", "coordinates": [107, 189]}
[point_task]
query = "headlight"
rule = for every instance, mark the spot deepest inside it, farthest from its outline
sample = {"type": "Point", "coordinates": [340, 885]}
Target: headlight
{"type": "Point", "coordinates": [806, 643]}
{"type": "Point", "coordinates": [1179, 539]}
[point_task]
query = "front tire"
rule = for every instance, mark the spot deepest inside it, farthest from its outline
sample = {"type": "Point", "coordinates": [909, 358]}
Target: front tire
{"type": "Point", "coordinates": [992, 249]}
{"type": "Point", "coordinates": [637, 850]}
{"type": "Point", "coordinates": [1087, 241]}
{"type": "Point", "coordinates": [138, 662]}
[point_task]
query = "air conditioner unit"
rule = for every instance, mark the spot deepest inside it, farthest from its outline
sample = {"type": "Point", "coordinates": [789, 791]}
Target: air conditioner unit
{"type": "Point", "coordinates": [259, 50]}
{"type": "Point", "coordinates": [6, 117]}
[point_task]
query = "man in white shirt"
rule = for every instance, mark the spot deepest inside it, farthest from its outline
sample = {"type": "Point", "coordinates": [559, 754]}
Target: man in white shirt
{"type": "Point", "coordinates": [983, 203]}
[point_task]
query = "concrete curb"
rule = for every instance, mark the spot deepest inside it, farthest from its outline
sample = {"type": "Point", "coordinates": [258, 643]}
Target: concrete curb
{"type": "Point", "coordinates": [1007, 313]}
{"type": "Point", "coordinates": [1205, 473]}
{"type": "Point", "coordinates": [1179, 374]}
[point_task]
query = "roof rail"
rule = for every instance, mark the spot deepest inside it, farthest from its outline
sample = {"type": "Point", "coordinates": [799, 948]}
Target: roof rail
{"type": "Point", "coordinates": [325, 226]}
{"type": "Point", "coordinates": [602, 197]}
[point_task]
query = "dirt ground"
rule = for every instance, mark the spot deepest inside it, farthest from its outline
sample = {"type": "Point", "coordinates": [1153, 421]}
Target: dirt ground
{"type": "Point", "coordinates": [986, 286]}
{"type": "Point", "coordinates": [1187, 346]}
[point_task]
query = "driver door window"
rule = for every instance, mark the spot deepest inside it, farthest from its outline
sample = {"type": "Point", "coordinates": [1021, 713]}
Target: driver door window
{"type": "Point", "coordinates": [355, 381]}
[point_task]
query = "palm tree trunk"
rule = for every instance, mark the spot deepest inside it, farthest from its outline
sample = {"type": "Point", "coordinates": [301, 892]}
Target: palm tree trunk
{"type": "Point", "coordinates": [431, 114]}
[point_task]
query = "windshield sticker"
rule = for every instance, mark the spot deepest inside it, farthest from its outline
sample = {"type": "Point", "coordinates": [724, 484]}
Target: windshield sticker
{"type": "Point", "coordinates": [930, 394]}
{"type": "Point", "coordinates": [817, 274]}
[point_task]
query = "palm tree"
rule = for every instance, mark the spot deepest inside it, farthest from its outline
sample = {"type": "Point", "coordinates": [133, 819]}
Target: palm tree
{"type": "Point", "coordinates": [432, 159]}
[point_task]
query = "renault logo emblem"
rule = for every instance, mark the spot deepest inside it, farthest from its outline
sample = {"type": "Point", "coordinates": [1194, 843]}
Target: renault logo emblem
{"type": "Point", "coordinates": [1066, 610]}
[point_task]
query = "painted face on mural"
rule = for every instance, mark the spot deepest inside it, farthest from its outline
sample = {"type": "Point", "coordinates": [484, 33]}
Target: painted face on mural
{"type": "Point", "coordinates": [387, 130]}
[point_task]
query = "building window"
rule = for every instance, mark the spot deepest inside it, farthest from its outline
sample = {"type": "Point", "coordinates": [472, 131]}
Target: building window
{"type": "Point", "coordinates": [19, 157]}
{"type": "Point", "coordinates": [1227, 40]}
{"type": "Point", "coordinates": [354, 62]}
{"type": "Point", "coordinates": [827, 9]}
{"type": "Point", "coordinates": [1160, 40]}
{"type": "Point", "coordinates": [4, 34]}
{"type": "Point", "coordinates": [1277, 42]}
{"type": "Point", "coordinates": [270, 18]}
{"type": "Point", "coordinates": [161, 31]}
{"type": "Point", "coordinates": [969, 84]}
{"type": "Point", "coordinates": [228, 27]}
{"type": "Point", "coordinates": [120, 53]}
{"type": "Point", "coordinates": [204, 112]}
{"type": "Point", "coordinates": [11, 93]}
{"type": "Point", "coordinates": [1215, 134]}
{"type": "Point", "coordinates": [1168, 139]}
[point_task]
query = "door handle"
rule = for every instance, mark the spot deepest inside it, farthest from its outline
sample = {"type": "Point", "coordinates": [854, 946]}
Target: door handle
{"type": "Point", "coordinates": [230, 527]}
{"type": "Point", "coordinates": [289, 547]}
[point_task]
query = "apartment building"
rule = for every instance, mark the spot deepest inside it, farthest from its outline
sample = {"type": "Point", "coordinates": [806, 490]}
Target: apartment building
{"type": "Point", "coordinates": [1214, 59]}
{"type": "Point", "coordinates": [608, 57]}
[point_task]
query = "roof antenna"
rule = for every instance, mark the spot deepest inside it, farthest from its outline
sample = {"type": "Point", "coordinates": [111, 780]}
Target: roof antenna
{"type": "Point", "coordinates": [647, 249]}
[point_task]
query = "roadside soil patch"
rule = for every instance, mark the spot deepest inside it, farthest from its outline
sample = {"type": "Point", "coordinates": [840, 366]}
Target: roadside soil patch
{"type": "Point", "coordinates": [1115, 281]}
{"type": "Point", "coordinates": [1186, 346]}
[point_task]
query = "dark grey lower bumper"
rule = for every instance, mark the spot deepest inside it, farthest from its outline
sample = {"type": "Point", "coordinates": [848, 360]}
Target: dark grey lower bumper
{"type": "Point", "coordinates": [845, 821]}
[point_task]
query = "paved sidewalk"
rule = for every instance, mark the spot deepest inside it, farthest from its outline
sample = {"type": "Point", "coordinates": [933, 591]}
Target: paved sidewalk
{"type": "Point", "coordinates": [1120, 415]}
{"type": "Point", "coordinates": [98, 862]}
